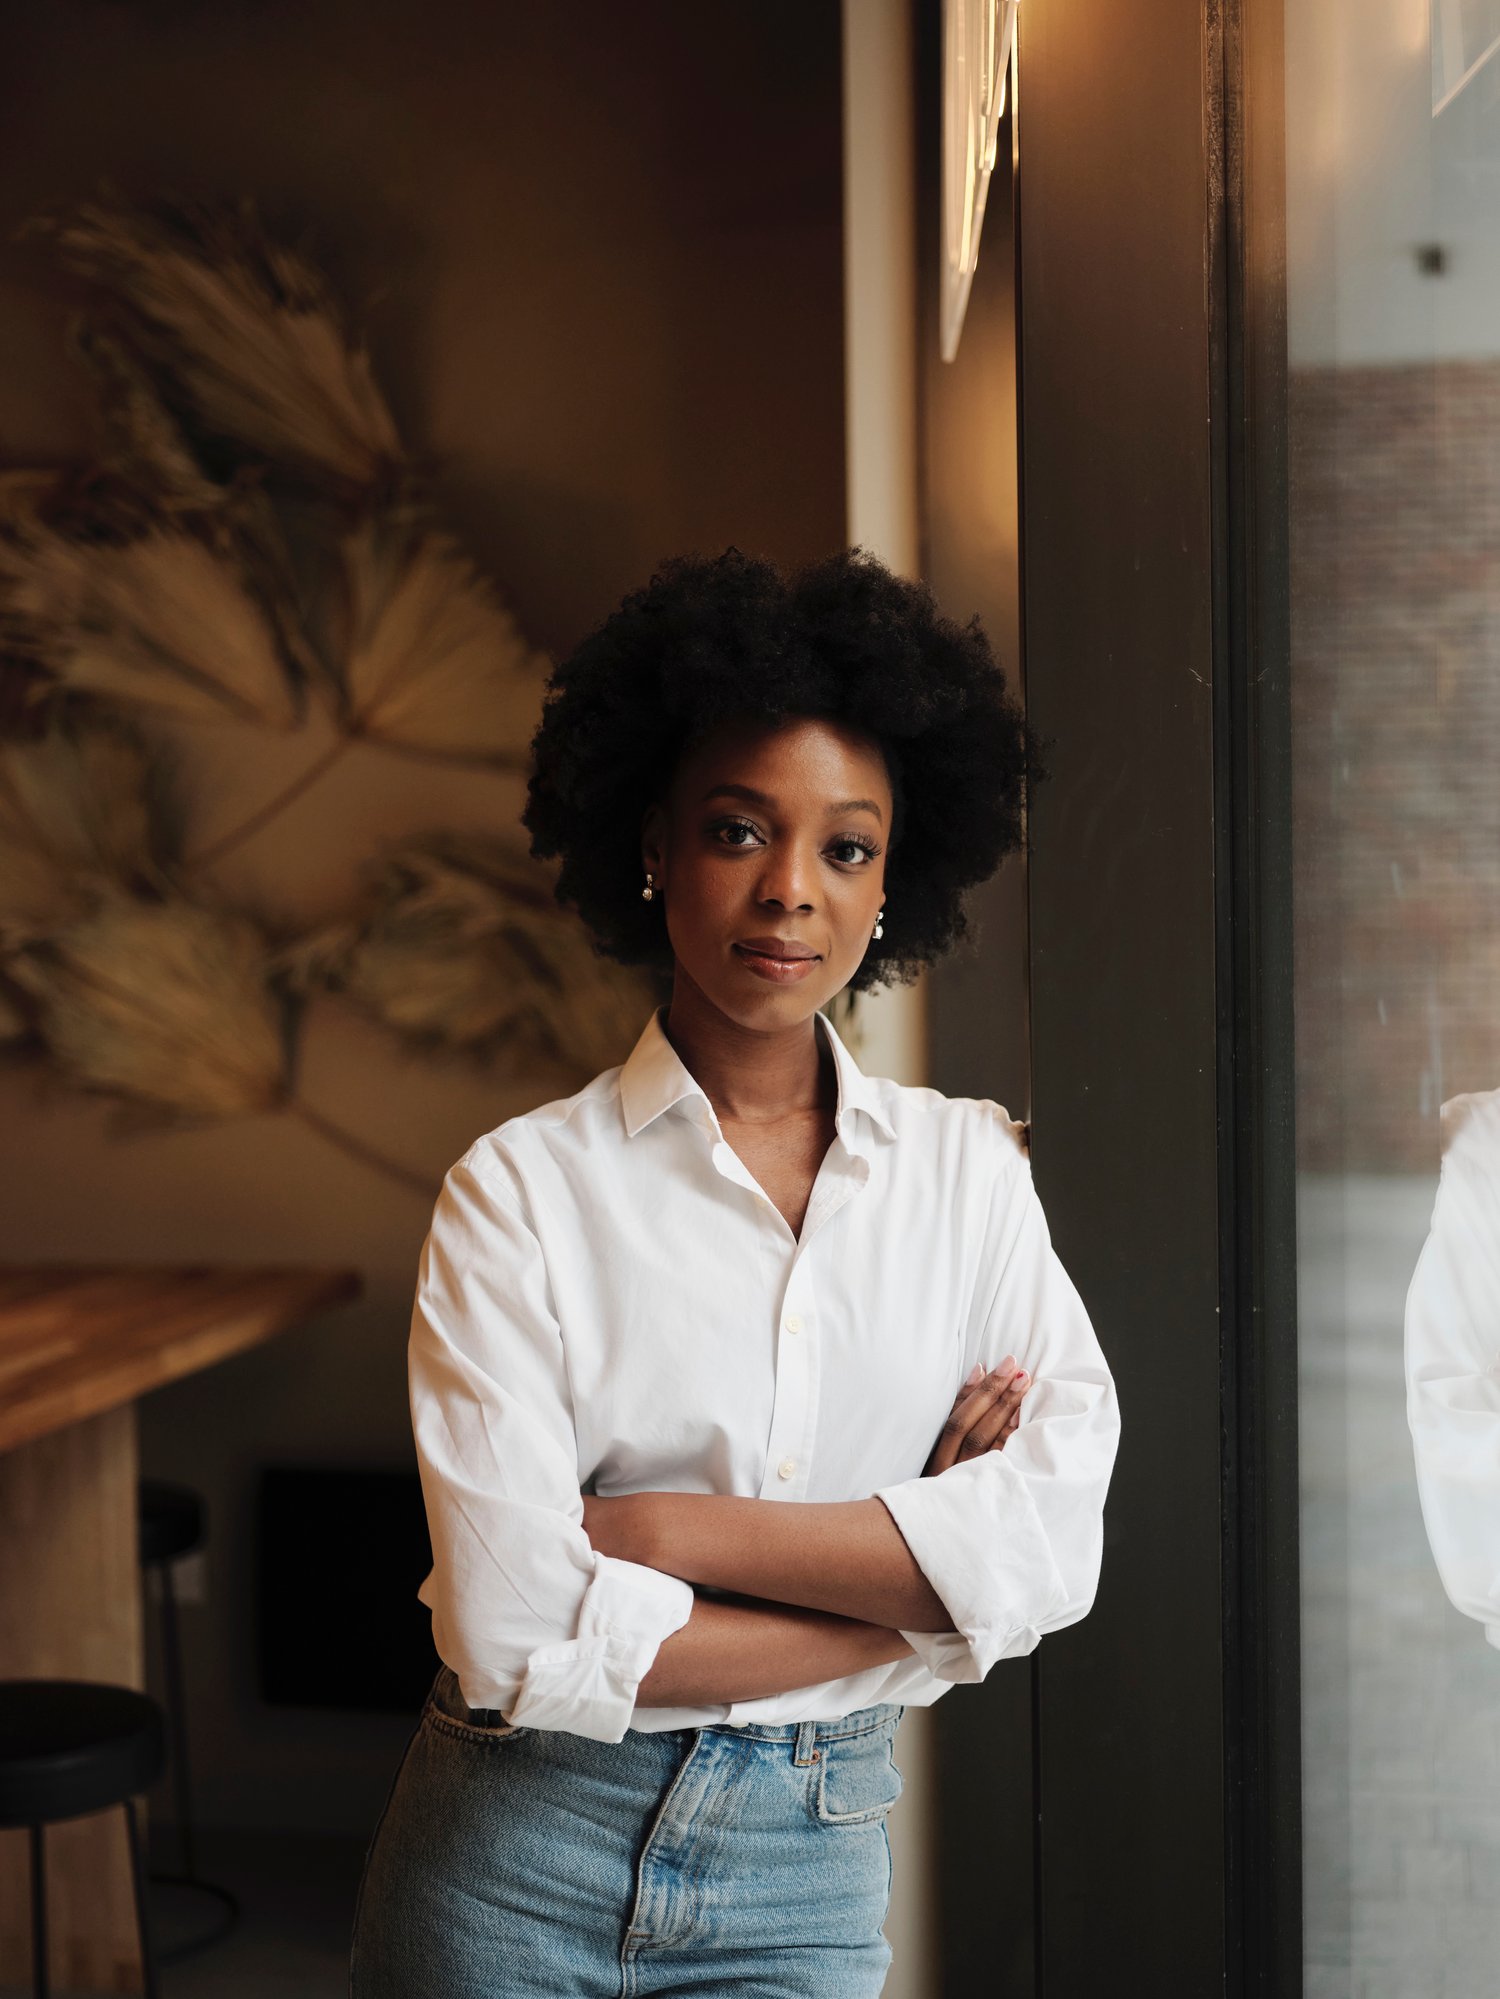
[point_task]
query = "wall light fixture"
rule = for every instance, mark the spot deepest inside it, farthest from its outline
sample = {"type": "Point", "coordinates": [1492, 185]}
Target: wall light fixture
{"type": "Point", "coordinates": [978, 50]}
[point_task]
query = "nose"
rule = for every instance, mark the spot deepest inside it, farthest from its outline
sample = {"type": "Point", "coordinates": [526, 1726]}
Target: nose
{"type": "Point", "coordinates": [789, 876]}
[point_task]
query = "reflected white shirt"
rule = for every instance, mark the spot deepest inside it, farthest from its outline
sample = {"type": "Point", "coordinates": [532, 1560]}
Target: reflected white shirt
{"type": "Point", "coordinates": [607, 1300]}
{"type": "Point", "coordinates": [1453, 1362]}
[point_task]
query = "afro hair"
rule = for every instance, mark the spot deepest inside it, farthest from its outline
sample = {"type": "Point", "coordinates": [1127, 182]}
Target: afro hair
{"type": "Point", "coordinates": [711, 640]}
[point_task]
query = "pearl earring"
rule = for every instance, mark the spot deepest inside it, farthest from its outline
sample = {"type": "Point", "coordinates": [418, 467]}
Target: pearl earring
{"type": "Point", "coordinates": [880, 922]}
{"type": "Point", "coordinates": [648, 891]}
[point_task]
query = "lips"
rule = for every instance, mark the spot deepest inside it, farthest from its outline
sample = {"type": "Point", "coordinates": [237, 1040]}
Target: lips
{"type": "Point", "coordinates": [774, 964]}
{"type": "Point", "coordinates": [775, 947]}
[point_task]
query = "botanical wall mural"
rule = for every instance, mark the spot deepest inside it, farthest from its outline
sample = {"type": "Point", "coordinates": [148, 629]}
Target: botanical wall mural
{"type": "Point", "coordinates": [254, 545]}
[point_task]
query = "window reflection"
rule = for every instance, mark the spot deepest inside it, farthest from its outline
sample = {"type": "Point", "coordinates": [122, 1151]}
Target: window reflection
{"type": "Point", "coordinates": [1393, 229]}
{"type": "Point", "coordinates": [1453, 1363]}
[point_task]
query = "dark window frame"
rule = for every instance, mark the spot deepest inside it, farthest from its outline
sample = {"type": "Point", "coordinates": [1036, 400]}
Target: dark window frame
{"type": "Point", "coordinates": [1136, 1783]}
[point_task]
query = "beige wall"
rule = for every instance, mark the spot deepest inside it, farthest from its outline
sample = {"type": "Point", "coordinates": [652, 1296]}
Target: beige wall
{"type": "Point", "coordinates": [880, 399]}
{"type": "Point", "coordinates": [608, 256]}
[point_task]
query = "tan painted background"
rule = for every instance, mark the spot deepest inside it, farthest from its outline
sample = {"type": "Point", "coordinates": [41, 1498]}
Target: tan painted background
{"type": "Point", "coordinates": [609, 261]}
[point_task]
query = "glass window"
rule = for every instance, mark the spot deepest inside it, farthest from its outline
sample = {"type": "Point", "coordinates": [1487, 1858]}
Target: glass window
{"type": "Point", "coordinates": [1393, 234]}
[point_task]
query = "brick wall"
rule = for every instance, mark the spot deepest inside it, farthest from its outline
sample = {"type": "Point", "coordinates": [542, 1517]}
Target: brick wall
{"type": "Point", "coordinates": [1395, 560]}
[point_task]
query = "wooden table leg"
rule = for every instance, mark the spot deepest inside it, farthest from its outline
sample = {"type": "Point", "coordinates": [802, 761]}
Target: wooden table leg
{"type": "Point", "coordinates": [70, 1608]}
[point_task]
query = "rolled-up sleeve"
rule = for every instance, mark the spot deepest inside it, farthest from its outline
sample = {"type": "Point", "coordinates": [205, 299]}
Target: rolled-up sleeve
{"type": "Point", "coordinates": [532, 1620]}
{"type": "Point", "coordinates": [1012, 1540]}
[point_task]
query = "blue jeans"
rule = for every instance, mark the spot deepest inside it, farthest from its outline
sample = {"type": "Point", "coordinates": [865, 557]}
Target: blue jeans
{"type": "Point", "coordinates": [519, 1863]}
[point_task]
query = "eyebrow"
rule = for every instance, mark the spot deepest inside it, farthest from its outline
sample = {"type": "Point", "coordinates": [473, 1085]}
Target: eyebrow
{"type": "Point", "coordinates": [761, 798]}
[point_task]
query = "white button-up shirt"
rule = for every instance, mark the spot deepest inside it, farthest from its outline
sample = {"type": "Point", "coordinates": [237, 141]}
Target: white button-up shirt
{"type": "Point", "coordinates": [608, 1300]}
{"type": "Point", "coordinates": [1453, 1361]}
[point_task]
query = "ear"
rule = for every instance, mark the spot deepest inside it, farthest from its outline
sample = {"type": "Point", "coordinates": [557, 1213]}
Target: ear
{"type": "Point", "coordinates": [653, 837]}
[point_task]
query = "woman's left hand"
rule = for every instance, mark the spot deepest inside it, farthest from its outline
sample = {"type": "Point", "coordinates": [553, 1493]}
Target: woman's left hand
{"type": "Point", "coordinates": [983, 1417]}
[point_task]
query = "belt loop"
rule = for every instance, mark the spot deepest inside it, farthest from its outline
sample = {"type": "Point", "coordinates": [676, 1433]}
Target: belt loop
{"type": "Point", "coordinates": [807, 1736]}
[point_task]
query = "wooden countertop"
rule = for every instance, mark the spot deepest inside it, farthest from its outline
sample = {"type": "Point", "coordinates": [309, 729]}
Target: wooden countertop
{"type": "Point", "coordinates": [77, 1339]}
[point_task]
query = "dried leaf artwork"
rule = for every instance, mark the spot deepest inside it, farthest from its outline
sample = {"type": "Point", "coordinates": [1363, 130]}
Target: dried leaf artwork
{"type": "Point", "coordinates": [463, 949]}
{"type": "Point", "coordinates": [144, 445]}
{"type": "Point", "coordinates": [246, 331]}
{"type": "Point", "coordinates": [252, 545]}
{"type": "Point", "coordinates": [166, 1004]}
{"type": "Point", "coordinates": [432, 660]}
{"type": "Point", "coordinates": [83, 808]}
{"type": "Point", "coordinates": [26, 494]}
{"type": "Point", "coordinates": [162, 620]}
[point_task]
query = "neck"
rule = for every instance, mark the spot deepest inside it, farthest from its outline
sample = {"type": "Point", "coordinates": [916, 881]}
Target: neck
{"type": "Point", "coordinates": [750, 1075]}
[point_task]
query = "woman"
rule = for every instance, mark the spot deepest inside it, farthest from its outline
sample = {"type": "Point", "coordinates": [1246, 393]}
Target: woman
{"type": "Point", "coordinates": [751, 1401]}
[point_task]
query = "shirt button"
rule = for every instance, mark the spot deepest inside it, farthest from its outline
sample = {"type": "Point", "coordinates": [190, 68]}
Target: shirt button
{"type": "Point", "coordinates": [787, 1468]}
{"type": "Point", "coordinates": [794, 1322]}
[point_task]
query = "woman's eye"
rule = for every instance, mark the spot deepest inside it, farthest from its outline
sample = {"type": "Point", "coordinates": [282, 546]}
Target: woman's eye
{"type": "Point", "coordinates": [852, 853]}
{"type": "Point", "coordinates": [737, 826]}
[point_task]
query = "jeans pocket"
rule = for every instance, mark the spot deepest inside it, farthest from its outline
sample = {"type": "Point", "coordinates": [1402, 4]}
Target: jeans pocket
{"type": "Point", "coordinates": [857, 1780]}
{"type": "Point", "coordinates": [448, 1712]}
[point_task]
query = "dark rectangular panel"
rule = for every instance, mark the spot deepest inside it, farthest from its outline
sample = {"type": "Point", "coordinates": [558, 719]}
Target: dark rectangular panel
{"type": "Point", "coordinates": [1257, 1061]}
{"type": "Point", "coordinates": [976, 1009]}
{"type": "Point", "coordinates": [1117, 178]}
{"type": "Point", "coordinates": [340, 1555]}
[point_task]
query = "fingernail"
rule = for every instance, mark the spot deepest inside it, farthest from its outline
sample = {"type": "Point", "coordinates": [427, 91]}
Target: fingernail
{"type": "Point", "coordinates": [976, 1373]}
{"type": "Point", "coordinates": [1007, 1364]}
{"type": "Point", "coordinates": [1022, 1375]}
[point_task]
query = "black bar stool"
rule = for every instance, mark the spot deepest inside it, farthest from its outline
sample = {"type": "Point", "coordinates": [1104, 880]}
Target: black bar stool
{"type": "Point", "coordinates": [69, 1748]}
{"type": "Point", "coordinates": [171, 1522]}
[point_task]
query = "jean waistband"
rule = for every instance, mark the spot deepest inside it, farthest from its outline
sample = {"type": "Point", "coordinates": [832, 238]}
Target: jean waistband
{"type": "Point", "coordinates": [862, 1721]}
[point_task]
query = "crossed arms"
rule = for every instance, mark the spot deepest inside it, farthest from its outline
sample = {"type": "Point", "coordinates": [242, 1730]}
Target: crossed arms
{"type": "Point", "coordinates": [566, 1612]}
{"type": "Point", "coordinates": [820, 1590]}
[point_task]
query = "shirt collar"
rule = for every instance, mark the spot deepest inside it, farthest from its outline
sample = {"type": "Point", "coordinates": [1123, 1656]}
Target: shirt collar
{"type": "Point", "coordinates": [654, 1077]}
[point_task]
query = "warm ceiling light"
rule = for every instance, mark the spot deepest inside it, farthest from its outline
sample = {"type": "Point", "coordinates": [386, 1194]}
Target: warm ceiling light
{"type": "Point", "coordinates": [978, 40]}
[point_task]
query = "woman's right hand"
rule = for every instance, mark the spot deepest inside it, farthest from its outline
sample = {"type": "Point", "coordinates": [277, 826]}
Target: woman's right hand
{"type": "Point", "coordinates": [987, 1410]}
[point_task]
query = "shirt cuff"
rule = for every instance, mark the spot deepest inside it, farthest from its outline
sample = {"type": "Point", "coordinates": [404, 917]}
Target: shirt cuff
{"type": "Point", "coordinates": [979, 1540]}
{"type": "Point", "coordinates": [587, 1685]}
